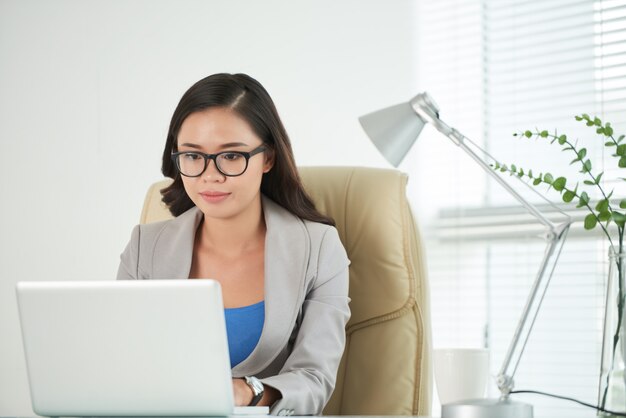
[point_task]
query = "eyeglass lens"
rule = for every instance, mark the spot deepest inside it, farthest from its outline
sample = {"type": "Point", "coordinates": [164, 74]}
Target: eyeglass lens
{"type": "Point", "coordinates": [229, 163]}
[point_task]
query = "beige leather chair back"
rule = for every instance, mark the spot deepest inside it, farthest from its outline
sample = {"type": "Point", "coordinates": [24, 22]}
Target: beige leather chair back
{"type": "Point", "coordinates": [386, 368]}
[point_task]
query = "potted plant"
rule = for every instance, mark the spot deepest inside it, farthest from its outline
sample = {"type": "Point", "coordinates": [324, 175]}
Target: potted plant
{"type": "Point", "coordinates": [605, 212]}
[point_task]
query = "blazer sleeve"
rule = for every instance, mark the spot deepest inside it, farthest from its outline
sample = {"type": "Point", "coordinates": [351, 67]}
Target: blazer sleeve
{"type": "Point", "coordinates": [129, 259]}
{"type": "Point", "coordinates": [307, 379]}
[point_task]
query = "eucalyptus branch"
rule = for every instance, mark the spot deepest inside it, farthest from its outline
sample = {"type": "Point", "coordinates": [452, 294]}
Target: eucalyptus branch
{"type": "Point", "coordinates": [568, 195]}
{"type": "Point", "coordinates": [607, 131]}
{"type": "Point", "coordinates": [580, 155]}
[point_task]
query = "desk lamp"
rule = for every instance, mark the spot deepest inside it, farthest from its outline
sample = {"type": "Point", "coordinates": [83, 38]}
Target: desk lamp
{"type": "Point", "coordinates": [394, 130]}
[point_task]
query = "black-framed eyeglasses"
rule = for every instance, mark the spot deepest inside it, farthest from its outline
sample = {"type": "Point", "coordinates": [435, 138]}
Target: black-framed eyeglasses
{"type": "Point", "coordinates": [229, 163]}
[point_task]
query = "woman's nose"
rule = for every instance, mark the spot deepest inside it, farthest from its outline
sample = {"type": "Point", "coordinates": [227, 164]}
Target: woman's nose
{"type": "Point", "coordinates": [212, 173]}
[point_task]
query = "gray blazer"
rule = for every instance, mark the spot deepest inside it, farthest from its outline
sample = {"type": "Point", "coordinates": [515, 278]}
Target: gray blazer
{"type": "Point", "coordinates": [306, 299]}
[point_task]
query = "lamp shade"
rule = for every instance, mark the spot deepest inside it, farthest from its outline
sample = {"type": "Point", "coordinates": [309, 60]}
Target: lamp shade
{"type": "Point", "coordinates": [393, 130]}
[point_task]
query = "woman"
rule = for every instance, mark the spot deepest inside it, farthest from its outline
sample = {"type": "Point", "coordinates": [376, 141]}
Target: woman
{"type": "Point", "coordinates": [243, 219]}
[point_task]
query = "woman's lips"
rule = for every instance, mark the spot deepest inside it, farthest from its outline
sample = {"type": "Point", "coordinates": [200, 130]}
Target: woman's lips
{"type": "Point", "coordinates": [214, 197]}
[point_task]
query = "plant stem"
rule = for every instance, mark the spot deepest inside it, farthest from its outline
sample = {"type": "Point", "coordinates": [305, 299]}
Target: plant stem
{"type": "Point", "coordinates": [620, 310]}
{"type": "Point", "coordinates": [606, 232]}
{"type": "Point", "coordinates": [590, 173]}
{"type": "Point", "coordinates": [613, 139]}
{"type": "Point", "coordinates": [594, 178]}
{"type": "Point", "coordinates": [573, 148]}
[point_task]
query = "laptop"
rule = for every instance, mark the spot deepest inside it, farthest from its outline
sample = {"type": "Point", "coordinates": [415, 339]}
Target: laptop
{"type": "Point", "coordinates": [127, 348]}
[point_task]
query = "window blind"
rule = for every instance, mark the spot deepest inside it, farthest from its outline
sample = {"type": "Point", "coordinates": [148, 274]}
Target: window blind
{"type": "Point", "coordinates": [495, 68]}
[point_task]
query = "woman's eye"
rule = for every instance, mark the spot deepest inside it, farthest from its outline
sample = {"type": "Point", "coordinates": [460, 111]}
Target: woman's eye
{"type": "Point", "coordinates": [231, 156]}
{"type": "Point", "coordinates": [192, 156]}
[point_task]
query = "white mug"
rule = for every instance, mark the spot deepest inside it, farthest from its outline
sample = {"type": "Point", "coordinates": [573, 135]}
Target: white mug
{"type": "Point", "coordinates": [461, 373]}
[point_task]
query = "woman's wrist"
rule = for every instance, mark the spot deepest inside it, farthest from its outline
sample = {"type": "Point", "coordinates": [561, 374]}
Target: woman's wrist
{"type": "Point", "coordinates": [257, 389]}
{"type": "Point", "coordinates": [243, 393]}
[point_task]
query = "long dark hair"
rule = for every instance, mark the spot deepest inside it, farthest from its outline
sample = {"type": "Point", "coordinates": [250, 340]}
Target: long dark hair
{"type": "Point", "coordinates": [246, 96]}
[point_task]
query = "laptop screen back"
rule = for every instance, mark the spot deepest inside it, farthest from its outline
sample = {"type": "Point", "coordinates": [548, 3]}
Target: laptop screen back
{"type": "Point", "coordinates": [154, 347]}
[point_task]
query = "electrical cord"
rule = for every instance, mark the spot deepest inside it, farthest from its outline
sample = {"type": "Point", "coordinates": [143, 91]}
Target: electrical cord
{"type": "Point", "coordinates": [619, 414]}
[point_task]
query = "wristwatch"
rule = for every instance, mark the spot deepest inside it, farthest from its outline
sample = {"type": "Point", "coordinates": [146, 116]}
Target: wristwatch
{"type": "Point", "coordinates": [257, 389]}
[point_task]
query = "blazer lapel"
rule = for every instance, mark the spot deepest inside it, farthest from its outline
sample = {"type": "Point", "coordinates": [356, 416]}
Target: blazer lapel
{"type": "Point", "coordinates": [173, 250]}
{"type": "Point", "coordinates": [286, 258]}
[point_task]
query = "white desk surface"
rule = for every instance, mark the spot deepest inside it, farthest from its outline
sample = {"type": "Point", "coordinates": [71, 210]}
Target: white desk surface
{"type": "Point", "coordinates": [592, 415]}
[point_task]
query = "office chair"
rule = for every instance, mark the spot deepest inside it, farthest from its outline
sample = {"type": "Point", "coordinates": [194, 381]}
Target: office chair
{"type": "Point", "coordinates": [386, 366]}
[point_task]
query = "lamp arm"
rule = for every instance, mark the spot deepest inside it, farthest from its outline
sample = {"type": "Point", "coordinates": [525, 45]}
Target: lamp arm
{"type": "Point", "coordinates": [459, 139]}
{"type": "Point", "coordinates": [555, 237]}
{"type": "Point", "coordinates": [504, 379]}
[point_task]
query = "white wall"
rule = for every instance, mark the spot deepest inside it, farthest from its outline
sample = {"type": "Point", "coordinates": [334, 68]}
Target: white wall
{"type": "Point", "coordinates": [87, 89]}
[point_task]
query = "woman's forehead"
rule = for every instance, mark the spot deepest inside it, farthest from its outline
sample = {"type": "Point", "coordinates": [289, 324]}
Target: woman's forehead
{"type": "Point", "coordinates": [216, 127]}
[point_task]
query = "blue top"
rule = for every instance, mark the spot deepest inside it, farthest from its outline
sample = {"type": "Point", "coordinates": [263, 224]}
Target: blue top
{"type": "Point", "coordinates": [243, 327]}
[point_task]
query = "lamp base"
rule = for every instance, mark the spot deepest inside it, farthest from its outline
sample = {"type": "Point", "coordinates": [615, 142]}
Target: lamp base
{"type": "Point", "coordinates": [487, 408]}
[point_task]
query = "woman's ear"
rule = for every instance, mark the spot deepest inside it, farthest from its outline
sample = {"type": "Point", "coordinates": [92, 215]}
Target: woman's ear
{"type": "Point", "coordinates": [270, 156]}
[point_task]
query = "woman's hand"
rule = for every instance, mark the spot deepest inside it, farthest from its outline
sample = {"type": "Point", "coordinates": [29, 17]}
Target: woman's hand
{"type": "Point", "coordinates": [243, 392]}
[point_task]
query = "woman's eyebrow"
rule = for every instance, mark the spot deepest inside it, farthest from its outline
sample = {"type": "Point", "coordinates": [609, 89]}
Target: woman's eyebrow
{"type": "Point", "coordinates": [233, 144]}
{"type": "Point", "coordinates": [222, 146]}
{"type": "Point", "coordinates": [190, 145]}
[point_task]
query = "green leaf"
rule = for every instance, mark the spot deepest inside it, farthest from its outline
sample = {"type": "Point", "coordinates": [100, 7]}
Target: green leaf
{"type": "Point", "coordinates": [604, 216]}
{"type": "Point", "coordinates": [548, 178]}
{"type": "Point", "coordinates": [568, 196]}
{"type": "Point", "coordinates": [562, 139]}
{"type": "Point", "coordinates": [602, 205]}
{"type": "Point", "coordinates": [619, 218]}
{"type": "Point", "coordinates": [578, 118]}
{"type": "Point", "coordinates": [497, 166]}
{"type": "Point", "coordinates": [586, 166]}
{"type": "Point", "coordinates": [544, 134]}
{"type": "Point", "coordinates": [528, 134]}
{"type": "Point", "coordinates": [586, 116]}
{"type": "Point", "coordinates": [608, 131]}
{"type": "Point", "coordinates": [521, 172]}
{"type": "Point", "coordinates": [583, 200]}
{"type": "Point", "coordinates": [530, 174]}
{"type": "Point", "coordinates": [589, 183]}
{"type": "Point", "coordinates": [621, 150]}
{"type": "Point", "coordinates": [513, 167]}
{"type": "Point", "coordinates": [537, 181]}
{"type": "Point", "coordinates": [600, 131]}
{"type": "Point", "coordinates": [590, 221]}
{"type": "Point", "coordinates": [597, 121]}
{"type": "Point", "coordinates": [622, 162]}
{"type": "Point", "coordinates": [599, 178]}
{"type": "Point", "coordinates": [559, 184]}
{"type": "Point", "coordinates": [609, 144]}
{"type": "Point", "coordinates": [622, 204]}
{"type": "Point", "coordinates": [582, 153]}
{"type": "Point", "coordinates": [621, 137]}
